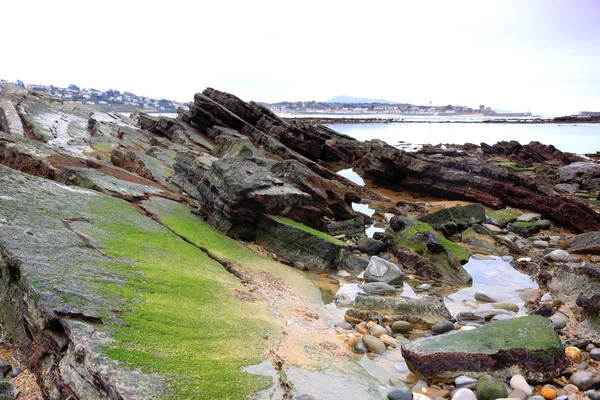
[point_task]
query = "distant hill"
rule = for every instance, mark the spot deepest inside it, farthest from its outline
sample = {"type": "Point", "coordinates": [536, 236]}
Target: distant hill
{"type": "Point", "coordinates": [354, 100]}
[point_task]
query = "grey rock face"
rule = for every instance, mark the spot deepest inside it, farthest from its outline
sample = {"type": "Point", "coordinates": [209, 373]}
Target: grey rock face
{"type": "Point", "coordinates": [380, 270]}
{"type": "Point", "coordinates": [462, 216]}
{"type": "Point", "coordinates": [578, 171]}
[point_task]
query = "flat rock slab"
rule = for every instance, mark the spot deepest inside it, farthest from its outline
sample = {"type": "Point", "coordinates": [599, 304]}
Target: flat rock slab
{"type": "Point", "coordinates": [460, 215]}
{"type": "Point", "coordinates": [528, 346]}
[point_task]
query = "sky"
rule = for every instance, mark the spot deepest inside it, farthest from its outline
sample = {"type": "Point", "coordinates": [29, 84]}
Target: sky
{"type": "Point", "coordinates": [541, 55]}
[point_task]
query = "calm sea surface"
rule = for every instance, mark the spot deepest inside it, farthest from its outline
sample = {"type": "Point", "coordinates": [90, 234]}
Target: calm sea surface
{"type": "Point", "coordinates": [579, 138]}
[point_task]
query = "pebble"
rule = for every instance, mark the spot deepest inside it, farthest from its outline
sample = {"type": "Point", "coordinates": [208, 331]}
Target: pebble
{"type": "Point", "coordinates": [541, 244]}
{"type": "Point", "coordinates": [485, 298]}
{"type": "Point", "coordinates": [359, 347]}
{"type": "Point", "coordinates": [558, 323]}
{"type": "Point", "coordinates": [378, 330]}
{"type": "Point", "coordinates": [344, 325]}
{"type": "Point", "coordinates": [424, 286]}
{"type": "Point", "coordinates": [530, 294]}
{"type": "Point", "coordinates": [573, 353]}
{"type": "Point", "coordinates": [373, 344]}
{"type": "Point", "coordinates": [506, 305]}
{"type": "Point", "coordinates": [489, 388]}
{"type": "Point", "coordinates": [15, 372]}
{"type": "Point", "coordinates": [548, 393]}
{"type": "Point", "coordinates": [401, 327]}
{"type": "Point", "coordinates": [536, 397]}
{"type": "Point", "coordinates": [465, 382]}
{"type": "Point", "coordinates": [595, 354]}
{"type": "Point", "coordinates": [566, 373]}
{"type": "Point", "coordinates": [593, 395]}
{"type": "Point", "coordinates": [400, 394]}
{"type": "Point", "coordinates": [420, 386]}
{"type": "Point", "coordinates": [361, 276]}
{"type": "Point", "coordinates": [582, 366]}
{"type": "Point", "coordinates": [563, 397]}
{"type": "Point", "coordinates": [570, 389]}
{"type": "Point", "coordinates": [464, 394]}
{"type": "Point", "coordinates": [518, 394]}
{"type": "Point", "coordinates": [507, 258]}
{"type": "Point", "coordinates": [518, 382]}
{"type": "Point", "coordinates": [590, 347]}
{"type": "Point", "coordinates": [443, 327]}
{"type": "Point", "coordinates": [559, 256]}
{"type": "Point", "coordinates": [389, 341]}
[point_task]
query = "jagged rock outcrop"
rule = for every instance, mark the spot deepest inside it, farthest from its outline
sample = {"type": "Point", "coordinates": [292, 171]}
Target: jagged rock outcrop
{"type": "Point", "coordinates": [529, 154]}
{"type": "Point", "coordinates": [474, 180]}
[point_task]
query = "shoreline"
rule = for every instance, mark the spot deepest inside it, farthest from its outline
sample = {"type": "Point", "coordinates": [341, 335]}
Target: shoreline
{"type": "Point", "coordinates": [344, 120]}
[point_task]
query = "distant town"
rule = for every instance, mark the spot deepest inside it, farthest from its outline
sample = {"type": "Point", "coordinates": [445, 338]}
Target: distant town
{"type": "Point", "coordinates": [313, 107]}
{"type": "Point", "coordinates": [112, 100]}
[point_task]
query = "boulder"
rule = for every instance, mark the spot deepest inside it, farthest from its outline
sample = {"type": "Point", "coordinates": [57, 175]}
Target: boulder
{"type": "Point", "coordinates": [378, 288]}
{"type": "Point", "coordinates": [462, 216]}
{"type": "Point", "coordinates": [528, 346]}
{"type": "Point", "coordinates": [300, 243]}
{"type": "Point", "coordinates": [586, 243]}
{"type": "Point", "coordinates": [578, 171]}
{"type": "Point", "coordinates": [350, 227]}
{"type": "Point", "coordinates": [370, 246]}
{"type": "Point", "coordinates": [524, 229]}
{"type": "Point", "coordinates": [380, 270]}
{"type": "Point", "coordinates": [489, 388]}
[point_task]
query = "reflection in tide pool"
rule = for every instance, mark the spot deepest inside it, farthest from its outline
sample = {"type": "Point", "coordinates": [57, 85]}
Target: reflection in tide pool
{"type": "Point", "coordinates": [494, 277]}
{"type": "Point", "coordinates": [352, 176]}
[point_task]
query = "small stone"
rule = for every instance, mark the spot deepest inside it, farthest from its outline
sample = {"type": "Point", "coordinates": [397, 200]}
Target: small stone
{"type": "Point", "coordinates": [489, 388]}
{"type": "Point", "coordinates": [465, 382]}
{"type": "Point", "coordinates": [506, 305]}
{"type": "Point", "coordinates": [15, 372]}
{"type": "Point", "coordinates": [562, 397]}
{"type": "Point", "coordinates": [389, 341]}
{"type": "Point", "coordinates": [464, 394]}
{"type": "Point", "coordinates": [373, 344]}
{"type": "Point", "coordinates": [518, 394]}
{"type": "Point", "coordinates": [595, 354]}
{"type": "Point", "coordinates": [420, 386]}
{"type": "Point", "coordinates": [507, 258]}
{"type": "Point", "coordinates": [361, 275]}
{"type": "Point", "coordinates": [566, 373]}
{"type": "Point", "coordinates": [344, 325]}
{"type": "Point", "coordinates": [531, 295]}
{"type": "Point", "coordinates": [593, 395]}
{"type": "Point", "coordinates": [378, 288]}
{"type": "Point", "coordinates": [424, 286]}
{"type": "Point", "coordinates": [582, 366]}
{"type": "Point", "coordinates": [443, 327]}
{"type": "Point", "coordinates": [573, 353]}
{"type": "Point", "coordinates": [378, 330]}
{"type": "Point", "coordinates": [401, 327]}
{"type": "Point", "coordinates": [548, 393]}
{"type": "Point", "coordinates": [400, 394]}
{"type": "Point", "coordinates": [541, 244]}
{"type": "Point", "coordinates": [344, 273]}
{"type": "Point", "coordinates": [359, 347]}
{"type": "Point", "coordinates": [518, 382]}
{"type": "Point", "coordinates": [485, 298]}
{"type": "Point", "coordinates": [558, 256]}
{"type": "Point", "coordinates": [571, 389]}
{"type": "Point", "coordinates": [558, 323]}
{"type": "Point", "coordinates": [590, 347]}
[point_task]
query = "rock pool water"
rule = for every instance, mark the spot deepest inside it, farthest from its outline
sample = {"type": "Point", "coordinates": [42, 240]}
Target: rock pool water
{"type": "Point", "coordinates": [494, 277]}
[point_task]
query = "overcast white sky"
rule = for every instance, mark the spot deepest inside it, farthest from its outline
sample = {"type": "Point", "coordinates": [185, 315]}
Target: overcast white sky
{"type": "Point", "coordinates": [542, 55]}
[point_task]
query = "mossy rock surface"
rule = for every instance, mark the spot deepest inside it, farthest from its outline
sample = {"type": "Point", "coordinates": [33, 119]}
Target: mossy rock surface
{"type": "Point", "coordinates": [503, 217]}
{"type": "Point", "coordinates": [586, 243]}
{"type": "Point", "coordinates": [462, 216]}
{"type": "Point", "coordinates": [443, 265]}
{"type": "Point", "coordinates": [527, 346]}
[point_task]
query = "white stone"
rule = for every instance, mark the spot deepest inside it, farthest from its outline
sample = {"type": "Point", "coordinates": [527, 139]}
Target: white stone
{"type": "Point", "coordinates": [361, 275]}
{"type": "Point", "coordinates": [559, 256]}
{"type": "Point", "coordinates": [464, 394]}
{"type": "Point", "coordinates": [344, 273]}
{"type": "Point", "coordinates": [518, 382]}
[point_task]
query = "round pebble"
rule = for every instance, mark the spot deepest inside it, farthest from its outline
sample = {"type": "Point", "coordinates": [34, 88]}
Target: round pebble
{"type": "Point", "coordinates": [518, 394]}
{"type": "Point", "coordinates": [344, 325]}
{"type": "Point", "coordinates": [570, 389]}
{"type": "Point", "coordinates": [400, 394]}
{"type": "Point", "coordinates": [378, 330]}
{"type": "Point", "coordinates": [443, 327]}
{"type": "Point", "coordinates": [593, 395]}
{"type": "Point", "coordinates": [573, 353]}
{"type": "Point", "coordinates": [359, 347]}
{"type": "Point", "coordinates": [464, 394]}
{"type": "Point", "coordinates": [590, 347]}
{"type": "Point", "coordinates": [401, 327]}
{"type": "Point", "coordinates": [518, 382]}
{"type": "Point", "coordinates": [595, 354]}
{"type": "Point", "coordinates": [373, 344]}
{"type": "Point", "coordinates": [15, 372]}
{"type": "Point", "coordinates": [548, 393]}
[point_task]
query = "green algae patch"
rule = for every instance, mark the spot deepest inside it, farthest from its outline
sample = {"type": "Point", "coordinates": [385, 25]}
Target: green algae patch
{"type": "Point", "coordinates": [524, 224]}
{"type": "Point", "coordinates": [504, 216]}
{"type": "Point", "coordinates": [529, 333]}
{"type": "Point", "coordinates": [406, 239]}
{"type": "Point", "coordinates": [511, 166]}
{"type": "Point", "coordinates": [184, 322]}
{"type": "Point", "coordinates": [308, 229]}
{"type": "Point", "coordinates": [178, 218]}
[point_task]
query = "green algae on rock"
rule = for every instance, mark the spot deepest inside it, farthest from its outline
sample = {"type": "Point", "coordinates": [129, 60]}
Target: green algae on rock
{"type": "Point", "coordinates": [528, 346]}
